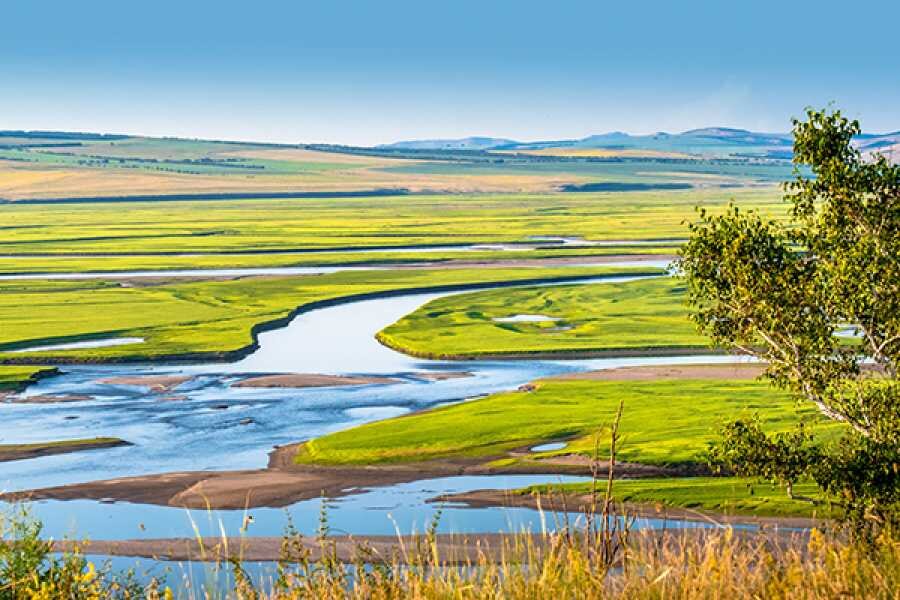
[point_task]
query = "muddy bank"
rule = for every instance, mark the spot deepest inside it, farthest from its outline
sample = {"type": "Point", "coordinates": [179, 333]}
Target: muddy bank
{"type": "Point", "coordinates": [49, 398]}
{"type": "Point", "coordinates": [23, 451]}
{"type": "Point", "coordinates": [154, 383]}
{"type": "Point", "coordinates": [562, 502]}
{"type": "Point", "coordinates": [656, 372]}
{"type": "Point", "coordinates": [306, 380]}
{"type": "Point", "coordinates": [284, 482]}
{"type": "Point", "coordinates": [442, 376]}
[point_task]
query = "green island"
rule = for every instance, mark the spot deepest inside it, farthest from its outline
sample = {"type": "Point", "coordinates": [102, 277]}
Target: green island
{"type": "Point", "coordinates": [665, 423]}
{"type": "Point", "coordinates": [18, 377]}
{"type": "Point", "coordinates": [612, 318]}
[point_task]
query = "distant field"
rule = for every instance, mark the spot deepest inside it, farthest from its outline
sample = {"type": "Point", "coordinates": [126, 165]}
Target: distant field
{"type": "Point", "coordinates": [250, 225]}
{"type": "Point", "coordinates": [208, 317]}
{"type": "Point", "coordinates": [87, 166]}
{"type": "Point", "coordinates": [636, 315]}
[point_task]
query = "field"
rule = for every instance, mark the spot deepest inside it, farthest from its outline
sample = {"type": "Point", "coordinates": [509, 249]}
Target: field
{"type": "Point", "coordinates": [611, 317]}
{"type": "Point", "coordinates": [333, 223]}
{"type": "Point", "coordinates": [62, 263]}
{"type": "Point", "coordinates": [73, 165]}
{"type": "Point", "coordinates": [211, 318]}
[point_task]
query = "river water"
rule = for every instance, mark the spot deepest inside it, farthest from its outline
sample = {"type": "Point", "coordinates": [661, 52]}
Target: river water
{"type": "Point", "coordinates": [203, 425]}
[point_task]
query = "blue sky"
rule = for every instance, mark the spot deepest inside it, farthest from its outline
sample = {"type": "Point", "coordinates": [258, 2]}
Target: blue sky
{"type": "Point", "coordinates": [370, 72]}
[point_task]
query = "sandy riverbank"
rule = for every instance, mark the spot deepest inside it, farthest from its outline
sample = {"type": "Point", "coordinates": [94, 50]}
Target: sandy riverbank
{"type": "Point", "coordinates": [154, 383]}
{"type": "Point", "coordinates": [657, 372]}
{"type": "Point", "coordinates": [305, 380]}
{"type": "Point", "coordinates": [284, 482]}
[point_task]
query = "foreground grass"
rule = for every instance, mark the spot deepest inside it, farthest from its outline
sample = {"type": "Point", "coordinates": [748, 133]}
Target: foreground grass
{"type": "Point", "coordinates": [591, 565]}
{"type": "Point", "coordinates": [209, 318]}
{"type": "Point", "coordinates": [720, 495]}
{"type": "Point", "coordinates": [15, 377]}
{"type": "Point", "coordinates": [636, 315]}
{"type": "Point", "coordinates": [664, 423]}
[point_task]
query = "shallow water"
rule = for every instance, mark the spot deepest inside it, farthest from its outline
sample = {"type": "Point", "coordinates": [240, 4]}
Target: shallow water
{"type": "Point", "coordinates": [201, 425]}
{"type": "Point", "coordinates": [403, 508]}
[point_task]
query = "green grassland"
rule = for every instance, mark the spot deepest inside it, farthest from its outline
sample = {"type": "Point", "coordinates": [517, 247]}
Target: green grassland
{"type": "Point", "coordinates": [628, 316]}
{"type": "Point", "coordinates": [211, 318]}
{"type": "Point", "coordinates": [723, 495]}
{"type": "Point", "coordinates": [111, 264]}
{"type": "Point", "coordinates": [17, 377]}
{"type": "Point", "coordinates": [336, 223]}
{"type": "Point", "coordinates": [664, 423]}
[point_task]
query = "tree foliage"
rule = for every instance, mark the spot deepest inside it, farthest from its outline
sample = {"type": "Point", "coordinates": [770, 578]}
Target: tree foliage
{"type": "Point", "coordinates": [789, 293]}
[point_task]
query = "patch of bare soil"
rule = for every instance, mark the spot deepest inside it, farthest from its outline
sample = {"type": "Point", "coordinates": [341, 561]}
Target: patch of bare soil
{"type": "Point", "coordinates": [305, 380]}
{"type": "Point", "coordinates": [442, 376]}
{"type": "Point", "coordinates": [50, 398]}
{"type": "Point", "coordinates": [284, 482]}
{"type": "Point", "coordinates": [648, 373]}
{"type": "Point", "coordinates": [155, 383]}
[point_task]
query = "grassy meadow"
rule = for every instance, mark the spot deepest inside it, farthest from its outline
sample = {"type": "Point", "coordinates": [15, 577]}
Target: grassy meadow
{"type": "Point", "coordinates": [16, 265]}
{"type": "Point", "coordinates": [335, 223]}
{"type": "Point", "coordinates": [718, 495]}
{"type": "Point", "coordinates": [635, 315]}
{"type": "Point", "coordinates": [664, 423]}
{"type": "Point", "coordinates": [201, 317]}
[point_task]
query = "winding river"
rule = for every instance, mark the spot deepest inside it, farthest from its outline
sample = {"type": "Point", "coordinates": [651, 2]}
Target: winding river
{"type": "Point", "coordinates": [205, 424]}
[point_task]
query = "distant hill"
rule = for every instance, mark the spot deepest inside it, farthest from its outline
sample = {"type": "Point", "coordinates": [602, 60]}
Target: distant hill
{"type": "Point", "coordinates": [708, 141]}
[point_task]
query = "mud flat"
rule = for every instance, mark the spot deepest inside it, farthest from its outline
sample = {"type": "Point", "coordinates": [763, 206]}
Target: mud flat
{"type": "Point", "coordinates": [50, 398]}
{"type": "Point", "coordinates": [284, 482]}
{"type": "Point", "coordinates": [442, 376]}
{"type": "Point", "coordinates": [23, 451]}
{"type": "Point", "coordinates": [307, 380]}
{"type": "Point", "coordinates": [154, 383]}
{"type": "Point", "coordinates": [656, 372]}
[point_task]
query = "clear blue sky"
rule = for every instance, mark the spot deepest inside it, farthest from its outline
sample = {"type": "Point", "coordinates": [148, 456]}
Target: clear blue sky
{"type": "Point", "coordinates": [377, 71]}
